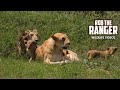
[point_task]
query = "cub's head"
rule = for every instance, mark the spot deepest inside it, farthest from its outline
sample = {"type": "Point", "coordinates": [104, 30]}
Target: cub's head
{"type": "Point", "coordinates": [30, 44]}
{"type": "Point", "coordinates": [111, 50]}
{"type": "Point", "coordinates": [29, 35]}
{"type": "Point", "coordinates": [33, 35]}
{"type": "Point", "coordinates": [61, 40]}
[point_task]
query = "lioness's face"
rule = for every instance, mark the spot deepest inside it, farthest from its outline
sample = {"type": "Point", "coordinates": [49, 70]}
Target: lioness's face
{"type": "Point", "coordinates": [61, 40]}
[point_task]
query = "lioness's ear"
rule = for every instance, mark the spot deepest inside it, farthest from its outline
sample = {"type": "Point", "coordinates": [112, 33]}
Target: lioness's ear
{"type": "Point", "coordinates": [54, 38]}
{"type": "Point", "coordinates": [35, 31]}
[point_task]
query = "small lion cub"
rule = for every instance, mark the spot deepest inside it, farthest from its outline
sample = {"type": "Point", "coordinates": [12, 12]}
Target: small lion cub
{"type": "Point", "coordinates": [70, 55]}
{"type": "Point", "coordinates": [95, 53]}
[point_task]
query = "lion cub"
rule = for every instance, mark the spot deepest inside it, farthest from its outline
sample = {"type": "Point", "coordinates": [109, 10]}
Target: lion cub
{"type": "Point", "coordinates": [70, 55]}
{"type": "Point", "coordinates": [31, 46]}
{"type": "Point", "coordinates": [95, 53]}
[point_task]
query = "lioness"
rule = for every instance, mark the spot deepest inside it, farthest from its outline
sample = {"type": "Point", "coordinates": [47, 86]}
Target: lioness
{"type": "Point", "coordinates": [95, 53]}
{"type": "Point", "coordinates": [51, 51]}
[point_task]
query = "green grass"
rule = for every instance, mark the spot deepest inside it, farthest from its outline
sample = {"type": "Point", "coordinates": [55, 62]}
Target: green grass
{"type": "Point", "coordinates": [75, 25]}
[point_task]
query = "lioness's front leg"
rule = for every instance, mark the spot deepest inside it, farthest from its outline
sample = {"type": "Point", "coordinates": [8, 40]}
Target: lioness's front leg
{"type": "Point", "coordinates": [49, 61]}
{"type": "Point", "coordinates": [47, 58]}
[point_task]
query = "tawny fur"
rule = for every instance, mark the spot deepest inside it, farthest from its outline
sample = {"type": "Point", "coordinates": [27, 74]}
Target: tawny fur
{"type": "Point", "coordinates": [95, 53]}
{"type": "Point", "coordinates": [51, 51]}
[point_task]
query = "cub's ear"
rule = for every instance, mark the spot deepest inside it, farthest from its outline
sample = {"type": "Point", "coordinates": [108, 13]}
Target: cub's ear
{"type": "Point", "coordinates": [35, 31]}
{"type": "Point", "coordinates": [24, 33]}
{"type": "Point", "coordinates": [28, 30]}
{"type": "Point", "coordinates": [108, 48]}
{"type": "Point", "coordinates": [54, 38]}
